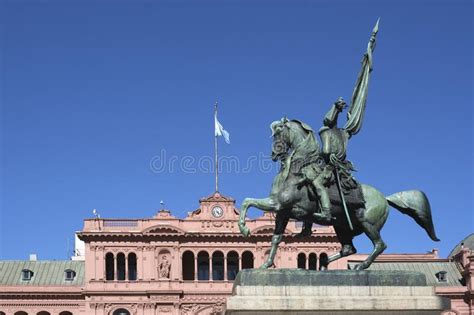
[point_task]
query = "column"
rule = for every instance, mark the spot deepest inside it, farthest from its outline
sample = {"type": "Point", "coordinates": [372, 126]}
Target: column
{"type": "Point", "coordinates": [126, 267]}
{"type": "Point", "coordinates": [103, 264]}
{"type": "Point", "coordinates": [225, 267]}
{"type": "Point", "coordinates": [177, 263]}
{"type": "Point", "coordinates": [96, 258]}
{"type": "Point", "coordinates": [116, 268]}
{"type": "Point", "coordinates": [141, 258]}
{"type": "Point", "coordinates": [240, 261]}
{"type": "Point", "coordinates": [195, 267]}
{"type": "Point", "coordinates": [211, 276]}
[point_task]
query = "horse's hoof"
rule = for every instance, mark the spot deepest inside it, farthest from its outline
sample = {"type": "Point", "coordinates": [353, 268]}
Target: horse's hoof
{"type": "Point", "coordinates": [266, 266]}
{"type": "Point", "coordinates": [360, 267]}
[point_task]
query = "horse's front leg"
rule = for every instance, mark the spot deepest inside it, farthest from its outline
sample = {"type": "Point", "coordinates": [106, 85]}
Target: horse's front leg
{"type": "Point", "coordinates": [281, 221]}
{"type": "Point", "coordinates": [265, 204]}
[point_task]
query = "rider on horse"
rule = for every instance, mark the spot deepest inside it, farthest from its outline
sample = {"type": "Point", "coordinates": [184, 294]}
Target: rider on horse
{"type": "Point", "coordinates": [321, 175]}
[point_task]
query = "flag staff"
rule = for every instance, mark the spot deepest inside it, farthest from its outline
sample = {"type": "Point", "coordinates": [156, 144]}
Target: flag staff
{"type": "Point", "coordinates": [216, 162]}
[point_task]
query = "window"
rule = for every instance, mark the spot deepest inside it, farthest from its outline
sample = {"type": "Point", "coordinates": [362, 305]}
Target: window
{"type": "Point", "coordinates": [301, 261]}
{"type": "Point", "coordinates": [26, 274]}
{"type": "Point", "coordinates": [323, 261]}
{"type": "Point", "coordinates": [121, 311]}
{"type": "Point", "coordinates": [69, 274]}
{"type": "Point", "coordinates": [188, 265]}
{"type": "Point", "coordinates": [65, 313]}
{"type": "Point", "coordinates": [312, 261]}
{"type": "Point", "coordinates": [121, 266]}
{"type": "Point", "coordinates": [43, 313]}
{"type": "Point", "coordinates": [247, 260]}
{"type": "Point", "coordinates": [218, 266]}
{"type": "Point", "coordinates": [21, 313]}
{"type": "Point", "coordinates": [442, 276]}
{"type": "Point", "coordinates": [132, 266]}
{"type": "Point", "coordinates": [203, 266]}
{"type": "Point", "coordinates": [232, 265]}
{"type": "Point", "coordinates": [109, 266]}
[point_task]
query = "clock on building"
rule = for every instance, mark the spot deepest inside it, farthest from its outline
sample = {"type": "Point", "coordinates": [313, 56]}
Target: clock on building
{"type": "Point", "coordinates": [217, 212]}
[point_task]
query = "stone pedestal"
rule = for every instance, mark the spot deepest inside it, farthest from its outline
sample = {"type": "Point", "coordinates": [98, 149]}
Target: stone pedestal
{"type": "Point", "coordinates": [297, 291]}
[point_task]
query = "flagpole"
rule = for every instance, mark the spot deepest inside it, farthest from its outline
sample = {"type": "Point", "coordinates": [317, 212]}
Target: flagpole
{"type": "Point", "coordinates": [216, 162]}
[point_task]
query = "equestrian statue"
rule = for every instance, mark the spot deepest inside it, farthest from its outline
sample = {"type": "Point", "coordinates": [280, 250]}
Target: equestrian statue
{"type": "Point", "coordinates": [315, 183]}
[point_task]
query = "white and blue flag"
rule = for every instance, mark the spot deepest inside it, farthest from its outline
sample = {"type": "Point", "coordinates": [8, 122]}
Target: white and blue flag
{"type": "Point", "coordinates": [219, 131]}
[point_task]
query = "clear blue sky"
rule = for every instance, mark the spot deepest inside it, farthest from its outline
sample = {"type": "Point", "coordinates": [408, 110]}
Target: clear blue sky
{"type": "Point", "coordinates": [93, 90]}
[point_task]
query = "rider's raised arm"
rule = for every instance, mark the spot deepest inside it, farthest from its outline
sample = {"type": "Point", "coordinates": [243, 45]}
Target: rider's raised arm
{"type": "Point", "coordinates": [334, 141]}
{"type": "Point", "coordinates": [330, 120]}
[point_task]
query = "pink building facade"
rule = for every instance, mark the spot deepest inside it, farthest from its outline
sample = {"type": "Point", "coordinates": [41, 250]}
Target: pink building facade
{"type": "Point", "coordinates": [184, 266]}
{"type": "Point", "coordinates": [166, 265]}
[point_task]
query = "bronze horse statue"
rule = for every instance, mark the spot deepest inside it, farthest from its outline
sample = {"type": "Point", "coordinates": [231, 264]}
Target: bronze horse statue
{"type": "Point", "coordinates": [293, 142]}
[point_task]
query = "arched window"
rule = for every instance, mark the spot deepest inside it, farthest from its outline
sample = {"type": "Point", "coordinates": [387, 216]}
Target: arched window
{"type": "Point", "coordinates": [132, 266]}
{"type": "Point", "coordinates": [232, 265]}
{"type": "Point", "coordinates": [109, 267]}
{"type": "Point", "coordinates": [217, 266]}
{"type": "Point", "coordinates": [43, 313]}
{"type": "Point", "coordinates": [301, 261]}
{"type": "Point", "coordinates": [65, 313]}
{"type": "Point", "coordinates": [247, 260]}
{"type": "Point", "coordinates": [323, 261]}
{"type": "Point", "coordinates": [188, 265]}
{"type": "Point", "coordinates": [203, 266]}
{"type": "Point", "coordinates": [2, 313]}
{"type": "Point", "coordinates": [121, 311]}
{"type": "Point", "coordinates": [21, 313]}
{"type": "Point", "coordinates": [312, 261]}
{"type": "Point", "coordinates": [120, 266]}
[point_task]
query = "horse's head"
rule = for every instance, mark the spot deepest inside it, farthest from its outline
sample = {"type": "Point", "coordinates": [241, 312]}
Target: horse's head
{"type": "Point", "coordinates": [281, 138]}
{"type": "Point", "coordinates": [287, 135]}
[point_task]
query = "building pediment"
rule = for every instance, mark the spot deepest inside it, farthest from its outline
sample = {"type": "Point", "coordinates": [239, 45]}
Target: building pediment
{"type": "Point", "coordinates": [217, 197]}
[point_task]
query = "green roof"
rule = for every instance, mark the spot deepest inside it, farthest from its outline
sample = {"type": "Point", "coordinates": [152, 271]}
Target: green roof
{"type": "Point", "coordinates": [45, 273]}
{"type": "Point", "coordinates": [430, 269]}
{"type": "Point", "coordinates": [467, 242]}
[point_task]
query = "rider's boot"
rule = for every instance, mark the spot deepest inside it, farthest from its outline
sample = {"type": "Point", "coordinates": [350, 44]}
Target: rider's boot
{"type": "Point", "coordinates": [325, 203]}
{"type": "Point", "coordinates": [324, 215]}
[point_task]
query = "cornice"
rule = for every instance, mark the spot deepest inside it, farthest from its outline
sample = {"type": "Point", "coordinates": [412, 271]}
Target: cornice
{"type": "Point", "coordinates": [29, 295]}
{"type": "Point", "coordinates": [203, 236]}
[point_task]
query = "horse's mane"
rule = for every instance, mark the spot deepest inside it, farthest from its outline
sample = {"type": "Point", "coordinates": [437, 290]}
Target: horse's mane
{"type": "Point", "coordinates": [303, 126]}
{"type": "Point", "coordinates": [304, 129]}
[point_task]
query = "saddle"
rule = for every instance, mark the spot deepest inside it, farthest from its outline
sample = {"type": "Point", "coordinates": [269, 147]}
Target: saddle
{"type": "Point", "coordinates": [353, 197]}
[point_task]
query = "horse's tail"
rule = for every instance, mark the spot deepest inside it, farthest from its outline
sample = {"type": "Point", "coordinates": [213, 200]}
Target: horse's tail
{"type": "Point", "coordinates": [415, 204]}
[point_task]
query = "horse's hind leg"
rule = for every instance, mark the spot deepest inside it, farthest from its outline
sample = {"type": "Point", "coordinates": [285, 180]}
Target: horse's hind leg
{"type": "Point", "coordinates": [345, 237]}
{"type": "Point", "coordinates": [281, 221]}
{"type": "Point", "coordinates": [379, 245]}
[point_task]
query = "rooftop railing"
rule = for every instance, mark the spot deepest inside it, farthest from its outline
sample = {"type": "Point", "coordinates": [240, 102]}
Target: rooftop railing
{"type": "Point", "coordinates": [120, 223]}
